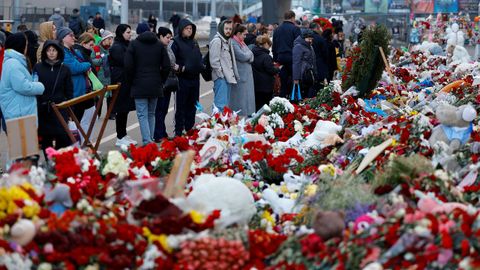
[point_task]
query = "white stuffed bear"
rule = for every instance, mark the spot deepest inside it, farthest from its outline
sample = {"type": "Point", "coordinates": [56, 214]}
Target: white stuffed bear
{"type": "Point", "coordinates": [279, 205]}
{"type": "Point", "coordinates": [455, 36]}
{"type": "Point", "coordinates": [455, 125]}
{"type": "Point", "coordinates": [23, 232]}
{"type": "Point", "coordinates": [325, 131]}
{"type": "Point", "coordinates": [230, 196]}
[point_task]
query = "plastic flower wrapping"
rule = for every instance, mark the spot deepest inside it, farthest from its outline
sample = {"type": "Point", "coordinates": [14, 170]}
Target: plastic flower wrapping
{"type": "Point", "coordinates": [384, 181]}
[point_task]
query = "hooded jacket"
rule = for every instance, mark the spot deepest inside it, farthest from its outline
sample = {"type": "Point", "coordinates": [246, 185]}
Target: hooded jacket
{"type": "Point", "coordinates": [78, 67]}
{"type": "Point", "coordinates": [263, 70]}
{"type": "Point", "coordinates": [187, 52]}
{"type": "Point", "coordinates": [48, 73]}
{"type": "Point", "coordinates": [17, 88]}
{"type": "Point", "coordinates": [222, 57]}
{"type": "Point", "coordinates": [146, 66]}
{"type": "Point", "coordinates": [303, 59]}
{"type": "Point", "coordinates": [45, 33]}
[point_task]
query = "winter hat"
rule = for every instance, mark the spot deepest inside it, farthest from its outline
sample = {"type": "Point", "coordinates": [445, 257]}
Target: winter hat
{"type": "Point", "coordinates": [142, 28]}
{"type": "Point", "coordinates": [307, 34]}
{"type": "Point", "coordinates": [2, 38]}
{"type": "Point", "coordinates": [62, 32]}
{"type": "Point", "coordinates": [105, 34]}
{"type": "Point", "coordinates": [17, 42]}
{"type": "Point", "coordinates": [56, 10]}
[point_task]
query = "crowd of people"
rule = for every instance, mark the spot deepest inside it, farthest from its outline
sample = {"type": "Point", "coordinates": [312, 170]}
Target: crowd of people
{"type": "Point", "coordinates": [248, 64]}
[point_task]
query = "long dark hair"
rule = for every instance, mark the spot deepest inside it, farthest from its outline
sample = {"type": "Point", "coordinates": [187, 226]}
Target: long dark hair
{"type": "Point", "coordinates": [121, 28]}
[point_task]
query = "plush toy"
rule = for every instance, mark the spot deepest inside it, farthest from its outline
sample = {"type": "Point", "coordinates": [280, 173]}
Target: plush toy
{"type": "Point", "coordinates": [294, 182]}
{"type": "Point", "coordinates": [430, 204]}
{"type": "Point", "coordinates": [457, 55]}
{"type": "Point", "coordinates": [329, 224]}
{"type": "Point", "coordinates": [22, 232]}
{"type": "Point", "coordinates": [455, 125]}
{"type": "Point", "coordinates": [59, 198]}
{"type": "Point", "coordinates": [279, 205]}
{"type": "Point", "coordinates": [455, 36]}
{"type": "Point", "coordinates": [230, 196]}
{"type": "Point", "coordinates": [322, 134]}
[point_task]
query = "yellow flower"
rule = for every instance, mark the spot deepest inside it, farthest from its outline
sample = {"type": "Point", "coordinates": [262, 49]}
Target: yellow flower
{"type": "Point", "coordinates": [284, 189]}
{"type": "Point", "coordinates": [394, 142]}
{"type": "Point", "coordinates": [413, 113]}
{"type": "Point", "coordinates": [329, 169]}
{"type": "Point", "coordinates": [266, 215]}
{"type": "Point", "coordinates": [30, 211]}
{"type": "Point", "coordinates": [196, 217]}
{"type": "Point", "coordinates": [161, 239]}
{"type": "Point", "coordinates": [311, 190]}
{"type": "Point", "coordinates": [293, 196]}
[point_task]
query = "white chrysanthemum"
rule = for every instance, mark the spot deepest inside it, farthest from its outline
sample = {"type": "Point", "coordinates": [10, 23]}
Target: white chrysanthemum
{"type": "Point", "coordinates": [281, 105]}
{"type": "Point", "coordinates": [276, 121]}
{"type": "Point", "coordinates": [116, 164]}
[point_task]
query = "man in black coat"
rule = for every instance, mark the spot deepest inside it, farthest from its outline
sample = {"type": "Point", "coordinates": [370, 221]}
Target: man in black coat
{"type": "Point", "coordinates": [99, 22]}
{"type": "Point", "coordinates": [57, 80]}
{"type": "Point", "coordinates": [189, 59]}
{"type": "Point", "coordinates": [174, 21]}
{"type": "Point", "coordinates": [320, 48]}
{"type": "Point", "coordinates": [282, 47]}
{"type": "Point", "coordinates": [146, 67]}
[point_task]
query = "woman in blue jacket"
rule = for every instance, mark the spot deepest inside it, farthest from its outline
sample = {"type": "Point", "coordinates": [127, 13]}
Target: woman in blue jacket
{"type": "Point", "coordinates": [18, 90]}
{"type": "Point", "coordinates": [78, 67]}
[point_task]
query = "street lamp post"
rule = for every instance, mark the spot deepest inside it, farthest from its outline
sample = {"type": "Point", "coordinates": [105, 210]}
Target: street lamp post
{"type": "Point", "coordinates": [124, 12]}
{"type": "Point", "coordinates": [160, 11]}
{"type": "Point", "coordinates": [213, 15]}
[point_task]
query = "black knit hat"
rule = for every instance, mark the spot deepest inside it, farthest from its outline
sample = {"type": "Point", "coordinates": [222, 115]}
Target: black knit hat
{"type": "Point", "coordinates": [17, 42]}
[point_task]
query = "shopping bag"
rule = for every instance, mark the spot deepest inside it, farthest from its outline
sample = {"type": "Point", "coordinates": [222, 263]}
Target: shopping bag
{"type": "Point", "coordinates": [96, 84]}
{"type": "Point", "coordinates": [296, 95]}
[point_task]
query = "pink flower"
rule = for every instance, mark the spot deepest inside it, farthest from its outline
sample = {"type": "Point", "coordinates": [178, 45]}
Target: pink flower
{"type": "Point", "coordinates": [51, 152]}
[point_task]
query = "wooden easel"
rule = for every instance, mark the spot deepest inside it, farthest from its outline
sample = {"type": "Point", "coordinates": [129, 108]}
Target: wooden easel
{"type": "Point", "coordinates": [68, 106]}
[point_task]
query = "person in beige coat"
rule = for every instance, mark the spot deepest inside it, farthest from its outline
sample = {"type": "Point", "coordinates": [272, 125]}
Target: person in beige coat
{"type": "Point", "coordinates": [47, 31]}
{"type": "Point", "coordinates": [224, 67]}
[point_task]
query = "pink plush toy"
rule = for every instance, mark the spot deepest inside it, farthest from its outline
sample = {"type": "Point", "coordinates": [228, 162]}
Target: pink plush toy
{"type": "Point", "coordinates": [427, 204]}
{"type": "Point", "coordinates": [362, 223]}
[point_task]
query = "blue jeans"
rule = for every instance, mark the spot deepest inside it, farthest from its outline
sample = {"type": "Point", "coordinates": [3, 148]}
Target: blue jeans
{"type": "Point", "coordinates": [146, 117]}
{"type": "Point", "coordinates": [222, 93]}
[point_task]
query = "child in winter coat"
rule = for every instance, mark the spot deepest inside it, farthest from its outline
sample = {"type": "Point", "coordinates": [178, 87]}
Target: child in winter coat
{"type": "Point", "coordinates": [57, 80]}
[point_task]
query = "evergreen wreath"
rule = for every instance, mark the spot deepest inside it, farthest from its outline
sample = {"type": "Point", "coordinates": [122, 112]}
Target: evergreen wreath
{"type": "Point", "coordinates": [368, 66]}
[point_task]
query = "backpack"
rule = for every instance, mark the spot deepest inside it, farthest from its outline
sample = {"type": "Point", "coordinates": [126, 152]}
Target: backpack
{"type": "Point", "coordinates": [207, 71]}
{"type": "Point", "coordinates": [75, 26]}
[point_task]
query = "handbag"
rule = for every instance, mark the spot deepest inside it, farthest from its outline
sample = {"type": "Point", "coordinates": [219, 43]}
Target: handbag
{"type": "Point", "coordinates": [171, 84]}
{"type": "Point", "coordinates": [96, 84]}
{"type": "Point", "coordinates": [296, 93]}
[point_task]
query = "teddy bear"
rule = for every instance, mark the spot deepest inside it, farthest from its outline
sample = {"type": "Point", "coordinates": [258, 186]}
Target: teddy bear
{"type": "Point", "coordinates": [455, 126]}
{"type": "Point", "coordinates": [232, 197]}
{"type": "Point", "coordinates": [324, 134]}
{"type": "Point", "coordinates": [329, 224]}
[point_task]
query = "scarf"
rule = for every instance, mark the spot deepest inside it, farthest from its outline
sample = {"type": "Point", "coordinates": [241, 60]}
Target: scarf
{"type": "Point", "coordinates": [242, 43]}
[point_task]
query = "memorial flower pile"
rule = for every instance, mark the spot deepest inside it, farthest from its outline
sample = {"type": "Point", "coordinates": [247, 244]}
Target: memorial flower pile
{"type": "Point", "coordinates": [401, 181]}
